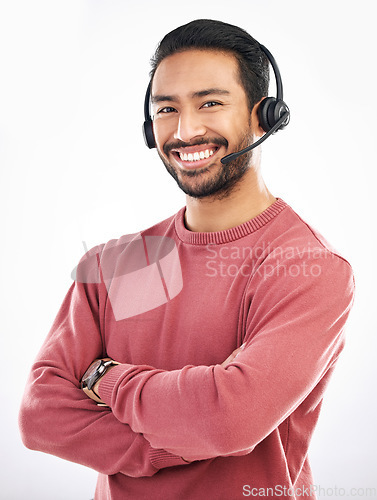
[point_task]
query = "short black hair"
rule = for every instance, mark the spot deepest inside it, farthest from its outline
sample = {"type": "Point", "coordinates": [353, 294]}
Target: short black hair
{"type": "Point", "coordinates": [216, 35]}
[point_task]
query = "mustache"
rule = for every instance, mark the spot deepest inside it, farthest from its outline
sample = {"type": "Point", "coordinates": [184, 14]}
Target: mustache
{"type": "Point", "coordinates": [218, 141]}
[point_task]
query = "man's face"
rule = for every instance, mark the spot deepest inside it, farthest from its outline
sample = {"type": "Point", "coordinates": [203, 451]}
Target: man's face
{"type": "Point", "coordinates": [201, 114]}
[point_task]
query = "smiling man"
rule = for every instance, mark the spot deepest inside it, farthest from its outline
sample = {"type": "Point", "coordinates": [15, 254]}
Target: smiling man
{"type": "Point", "coordinates": [189, 361]}
{"type": "Point", "coordinates": [205, 117]}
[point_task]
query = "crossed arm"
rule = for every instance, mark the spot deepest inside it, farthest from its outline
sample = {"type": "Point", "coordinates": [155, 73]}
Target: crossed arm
{"type": "Point", "coordinates": [93, 393]}
{"type": "Point", "coordinates": [197, 412]}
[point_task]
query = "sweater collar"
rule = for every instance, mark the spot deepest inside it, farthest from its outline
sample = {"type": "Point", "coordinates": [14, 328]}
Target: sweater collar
{"type": "Point", "coordinates": [228, 235]}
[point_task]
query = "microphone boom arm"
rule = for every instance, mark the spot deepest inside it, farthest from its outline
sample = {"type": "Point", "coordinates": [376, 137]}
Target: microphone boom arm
{"type": "Point", "coordinates": [233, 156]}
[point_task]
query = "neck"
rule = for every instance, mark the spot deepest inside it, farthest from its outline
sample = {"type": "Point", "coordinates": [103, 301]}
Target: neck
{"type": "Point", "coordinates": [249, 198]}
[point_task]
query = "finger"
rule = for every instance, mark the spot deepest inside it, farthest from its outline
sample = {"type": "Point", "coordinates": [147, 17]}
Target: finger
{"type": "Point", "coordinates": [234, 354]}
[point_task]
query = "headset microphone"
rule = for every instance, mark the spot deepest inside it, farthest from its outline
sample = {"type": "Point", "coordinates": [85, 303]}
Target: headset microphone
{"type": "Point", "coordinates": [273, 113]}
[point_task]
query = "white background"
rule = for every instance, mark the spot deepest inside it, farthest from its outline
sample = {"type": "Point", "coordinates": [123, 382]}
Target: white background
{"type": "Point", "coordinates": [74, 169]}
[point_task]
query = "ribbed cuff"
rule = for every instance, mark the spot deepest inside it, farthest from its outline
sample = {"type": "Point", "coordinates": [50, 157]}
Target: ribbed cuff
{"type": "Point", "coordinates": [108, 381]}
{"type": "Point", "coordinates": [161, 458]}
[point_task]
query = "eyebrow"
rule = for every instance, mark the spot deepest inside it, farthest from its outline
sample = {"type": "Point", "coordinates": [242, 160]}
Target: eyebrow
{"type": "Point", "coordinates": [199, 93]}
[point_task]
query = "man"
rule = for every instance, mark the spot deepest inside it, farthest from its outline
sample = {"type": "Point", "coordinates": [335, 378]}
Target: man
{"type": "Point", "coordinates": [189, 361]}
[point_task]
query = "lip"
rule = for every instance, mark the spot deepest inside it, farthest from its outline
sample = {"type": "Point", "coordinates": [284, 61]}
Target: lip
{"type": "Point", "coordinates": [198, 163]}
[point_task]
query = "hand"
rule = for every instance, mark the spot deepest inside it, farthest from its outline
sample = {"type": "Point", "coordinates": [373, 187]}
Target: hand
{"type": "Point", "coordinates": [234, 354]}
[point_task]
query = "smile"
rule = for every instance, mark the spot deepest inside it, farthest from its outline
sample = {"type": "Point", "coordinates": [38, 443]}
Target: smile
{"type": "Point", "coordinates": [197, 155]}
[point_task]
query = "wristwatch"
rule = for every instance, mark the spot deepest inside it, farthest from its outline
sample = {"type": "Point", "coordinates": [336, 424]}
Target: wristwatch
{"type": "Point", "coordinates": [92, 375]}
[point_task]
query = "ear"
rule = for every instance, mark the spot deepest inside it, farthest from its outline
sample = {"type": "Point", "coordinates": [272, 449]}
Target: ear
{"type": "Point", "coordinates": [257, 129]}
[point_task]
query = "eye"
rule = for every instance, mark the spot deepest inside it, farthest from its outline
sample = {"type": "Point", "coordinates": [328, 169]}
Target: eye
{"type": "Point", "coordinates": [167, 109]}
{"type": "Point", "coordinates": [211, 104]}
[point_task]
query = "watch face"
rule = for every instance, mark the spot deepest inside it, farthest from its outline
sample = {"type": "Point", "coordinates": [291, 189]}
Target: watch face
{"type": "Point", "coordinates": [91, 371]}
{"type": "Point", "coordinates": [89, 375]}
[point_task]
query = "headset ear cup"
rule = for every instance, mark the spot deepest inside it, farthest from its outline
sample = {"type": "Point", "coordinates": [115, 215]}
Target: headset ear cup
{"type": "Point", "coordinates": [275, 111]}
{"type": "Point", "coordinates": [270, 111]}
{"type": "Point", "coordinates": [148, 134]}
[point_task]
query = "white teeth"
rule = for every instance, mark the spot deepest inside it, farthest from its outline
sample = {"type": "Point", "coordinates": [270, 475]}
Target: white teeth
{"type": "Point", "coordinates": [196, 156]}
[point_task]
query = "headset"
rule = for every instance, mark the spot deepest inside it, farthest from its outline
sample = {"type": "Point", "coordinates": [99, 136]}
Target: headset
{"type": "Point", "coordinates": [273, 113]}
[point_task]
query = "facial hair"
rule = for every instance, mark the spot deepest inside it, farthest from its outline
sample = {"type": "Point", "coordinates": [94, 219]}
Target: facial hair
{"type": "Point", "coordinates": [222, 183]}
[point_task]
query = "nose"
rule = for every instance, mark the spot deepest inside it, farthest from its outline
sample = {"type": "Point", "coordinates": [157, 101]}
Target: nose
{"type": "Point", "coordinates": [189, 126]}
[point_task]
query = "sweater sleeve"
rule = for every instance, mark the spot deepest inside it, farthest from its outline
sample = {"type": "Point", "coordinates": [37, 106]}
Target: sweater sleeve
{"type": "Point", "coordinates": [293, 336]}
{"type": "Point", "coordinates": [56, 417]}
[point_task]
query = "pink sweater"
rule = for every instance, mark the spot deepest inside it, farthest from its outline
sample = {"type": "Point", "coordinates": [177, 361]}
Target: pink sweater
{"type": "Point", "coordinates": [171, 305]}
